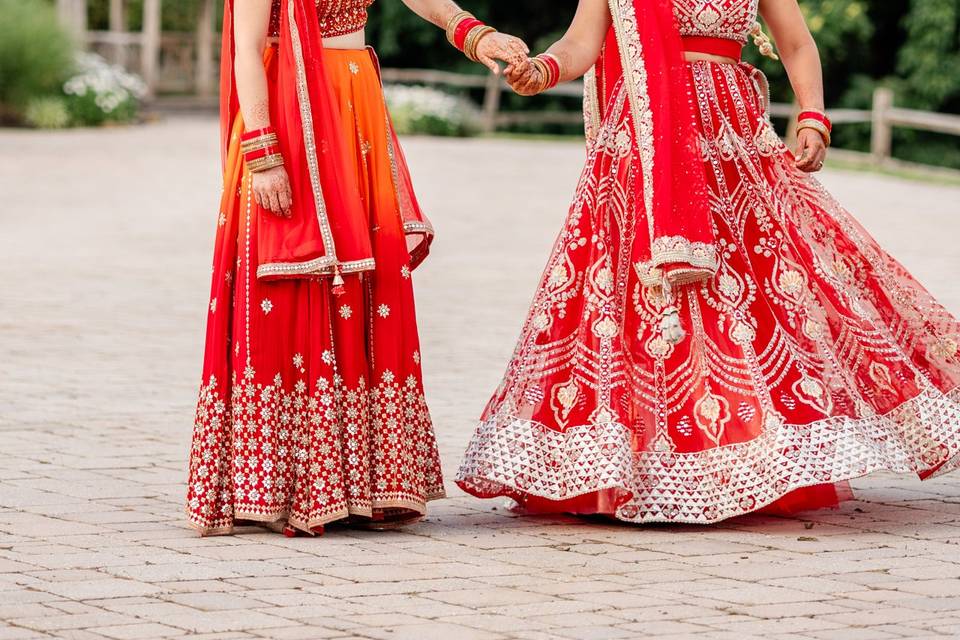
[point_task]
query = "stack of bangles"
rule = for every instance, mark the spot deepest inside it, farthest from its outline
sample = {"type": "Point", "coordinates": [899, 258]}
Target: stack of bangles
{"type": "Point", "coordinates": [548, 66]}
{"type": "Point", "coordinates": [818, 121]}
{"type": "Point", "coordinates": [261, 150]}
{"type": "Point", "coordinates": [465, 32]}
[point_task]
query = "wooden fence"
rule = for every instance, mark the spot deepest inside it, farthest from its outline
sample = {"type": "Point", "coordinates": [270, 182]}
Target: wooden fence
{"type": "Point", "coordinates": [884, 117]}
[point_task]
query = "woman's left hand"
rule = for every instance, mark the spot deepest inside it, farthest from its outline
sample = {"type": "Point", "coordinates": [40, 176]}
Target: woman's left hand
{"type": "Point", "coordinates": [500, 46]}
{"type": "Point", "coordinates": [811, 151]}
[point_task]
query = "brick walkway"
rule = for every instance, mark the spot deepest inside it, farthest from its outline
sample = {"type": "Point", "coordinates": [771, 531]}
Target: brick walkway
{"type": "Point", "coordinates": [104, 258]}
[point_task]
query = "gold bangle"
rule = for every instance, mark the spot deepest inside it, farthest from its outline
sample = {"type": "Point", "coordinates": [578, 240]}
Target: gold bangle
{"type": "Point", "coordinates": [476, 34]}
{"type": "Point", "coordinates": [259, 143]}
{"type": "Point", "coordinates": [454, 23]}
{"type": "Point", "coordinates": [471, 41]}
{"type": "Point", "coordinates": [556, 80]}
{"type": "Point", "coordinates": [541, 73]}
{"type": "Point", "coordinates": [257, 147]}
{"type": "Point", "coordinates": [263, 164]}
{"type": "Point", "coordinates": [549, 79]}
{"type": "Point", "coordinates": [817, 126]}
{"type": "Point", "coordinates": [266, 136]}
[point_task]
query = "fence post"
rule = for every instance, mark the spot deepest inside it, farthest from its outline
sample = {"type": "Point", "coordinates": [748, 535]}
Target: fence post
{"type": "Point", "coordinates": [118, 26]}
{"type": "Point", "coordinates": [491, 103]}
{"type": "Point", "coordinates": [73, 15]}
{"type": "Point", "coordinates": [150, 46]}
{"type": "Point", "coordinates": [205, 79]}
{"type": "Point", "coordinates": [881, 142]}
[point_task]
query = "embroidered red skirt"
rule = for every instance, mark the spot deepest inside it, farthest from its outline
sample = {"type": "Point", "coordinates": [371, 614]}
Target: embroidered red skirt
{"type": "Point", "coordinates": [812, 357]}
{"type": "Point", "coordinates": [312, 406]}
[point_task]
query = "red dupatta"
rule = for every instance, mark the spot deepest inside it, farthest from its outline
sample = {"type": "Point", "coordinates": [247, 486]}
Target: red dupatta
{"type": "Point", "coordinates": [327, 232]}
{"type": "Point", "coordinates": [675, 243]}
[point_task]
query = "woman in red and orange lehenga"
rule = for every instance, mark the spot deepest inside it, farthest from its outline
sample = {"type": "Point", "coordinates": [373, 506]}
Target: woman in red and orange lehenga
{"type": "Point", "coordinates": [714, 334]}
{"type": "Point", "coordinates": [312, 407]}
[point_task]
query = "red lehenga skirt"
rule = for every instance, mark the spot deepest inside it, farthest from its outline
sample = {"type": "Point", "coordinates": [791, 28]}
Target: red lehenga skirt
{"type": "Point", "coordinates": [312, 408]}
{"type": "Point", "coordinates": [812, 357]}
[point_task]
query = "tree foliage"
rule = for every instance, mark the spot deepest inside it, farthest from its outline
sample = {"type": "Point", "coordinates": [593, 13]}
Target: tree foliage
{"type": "Point", "coordinates": [914, 44]}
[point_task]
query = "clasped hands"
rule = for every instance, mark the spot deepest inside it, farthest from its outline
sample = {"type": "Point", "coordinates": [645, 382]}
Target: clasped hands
{"type": "Point", "coordinates": [523, 76]}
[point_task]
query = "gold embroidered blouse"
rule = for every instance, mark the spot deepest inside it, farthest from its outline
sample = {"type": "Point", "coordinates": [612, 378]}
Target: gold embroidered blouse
{"type": "Point", "coordinates": [337, 17]}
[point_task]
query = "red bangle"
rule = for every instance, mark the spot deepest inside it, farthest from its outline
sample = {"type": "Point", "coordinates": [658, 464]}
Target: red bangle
{"type": "Point", "coordinates": [816, 115]}
{"type": "Point", "coordinates": [250, 135]}
{"type": "Point", "coordinates": [554, 66]}
{"type": "Point", "coordinates": [260, 153]}
{"type": "Point", "coordinates": [463, 29]}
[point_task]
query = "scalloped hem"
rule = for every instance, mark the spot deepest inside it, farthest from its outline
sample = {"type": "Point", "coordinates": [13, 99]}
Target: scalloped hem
{"type": "Point", "coordinates": [528, 461]}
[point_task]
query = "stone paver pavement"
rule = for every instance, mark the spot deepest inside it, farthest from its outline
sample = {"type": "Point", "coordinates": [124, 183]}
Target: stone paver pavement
{"type": "Point", "coordinates": [104, 257]}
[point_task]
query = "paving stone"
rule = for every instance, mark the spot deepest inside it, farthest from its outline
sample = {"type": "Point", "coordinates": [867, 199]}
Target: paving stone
{"type": "Point", "coordinates": [92, 543]}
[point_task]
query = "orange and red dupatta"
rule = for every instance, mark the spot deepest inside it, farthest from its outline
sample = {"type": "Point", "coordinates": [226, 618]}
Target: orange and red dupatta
{"type": "Point", "coordinates": [327, 233]}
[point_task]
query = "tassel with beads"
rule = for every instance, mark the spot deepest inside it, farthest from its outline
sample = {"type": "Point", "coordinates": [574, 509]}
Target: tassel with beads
{"type": "Point", "coordinates": [670, 327]}
{"type": "Point", "coordinates": [763, 42]}
{"type": "Point", "coordinates": [338, 284]}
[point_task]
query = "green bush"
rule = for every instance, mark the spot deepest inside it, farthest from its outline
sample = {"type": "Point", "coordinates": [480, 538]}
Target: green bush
{"type": "Point", "coordinates": [426, 111]}
{"type": "Point", "coordinates": [100, 92]}
{"type": "Point", "coordinates": [49, 112]}
{"type": "Point", "coordinates": [36, 55]}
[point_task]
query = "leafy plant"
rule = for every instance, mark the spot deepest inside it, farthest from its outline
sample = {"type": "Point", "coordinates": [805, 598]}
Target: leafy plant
{"type": "Point", "coordinates": [49, 112]}
{"type": "Point", "coordinates": [101, 92]}
{"type": "Point", "coordinates": [422, 110]}
{"type": "Point", "coordinates": [36, 55]}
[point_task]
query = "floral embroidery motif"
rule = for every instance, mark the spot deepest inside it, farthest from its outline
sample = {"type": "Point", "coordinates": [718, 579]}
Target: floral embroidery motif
{"type": "Point", "coordinates": [354, 68]}
{"type": "Point", "coordinates": [266, 305]}
{"type": "Point", "coordinates": [728, 19]}
{"type": "Point", "coordinates": [345, 311]}
{"type": "Point", "coordinates": [383, 310]}
{"type": "Point", "coordinates": [283, 434]}
{"type": "Point", "coordinates": [811, 356]}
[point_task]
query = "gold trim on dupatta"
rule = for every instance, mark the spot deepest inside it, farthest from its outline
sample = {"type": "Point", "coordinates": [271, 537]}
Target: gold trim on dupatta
{"type": "Point", "coordinates": [700, 256]}
{"type": "Point", "coordinates": [309, 141]}
{"type": "Point", "coordinates": [591, 107]}
{"type": "Point", "coordinates": [314, 267]}
{"type": "Point", "coordinates": [635, 79]}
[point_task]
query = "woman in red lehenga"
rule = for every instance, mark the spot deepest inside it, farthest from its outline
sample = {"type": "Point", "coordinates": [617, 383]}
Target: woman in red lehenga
{"type": "Point", "coordinates": [312, 406]}
{"type": "Point", "coordinates": [713, 334]}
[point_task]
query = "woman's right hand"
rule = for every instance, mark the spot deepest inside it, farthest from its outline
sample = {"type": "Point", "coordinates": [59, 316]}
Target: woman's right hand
{"type": "Point", "coordinates": [524, 78]}
{"type": "Point", "coordinates": [271, 190]}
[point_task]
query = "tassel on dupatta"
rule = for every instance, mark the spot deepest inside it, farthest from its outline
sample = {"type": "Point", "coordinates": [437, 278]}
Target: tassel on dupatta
{"type": "Point", "coordinates": [673, 241]}
{"type": "Point", "coordinates": [327, 232]}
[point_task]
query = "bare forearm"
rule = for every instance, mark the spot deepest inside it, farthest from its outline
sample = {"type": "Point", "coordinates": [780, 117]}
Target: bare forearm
{"type": "Point", "coordinates": [575, 58]}
{"type": "Point", "coordinates": [806, 74]}
{"type": "Point", "coordinates": [797, 48]}
{"type": "Point", "coordinates": [580, 46]}
{"type": "Point", "coordinates": [439, 12]}
{"type": "Point", "coordinates": [251, 22]}
{"type": "Point", "coordinates": [252, 90]}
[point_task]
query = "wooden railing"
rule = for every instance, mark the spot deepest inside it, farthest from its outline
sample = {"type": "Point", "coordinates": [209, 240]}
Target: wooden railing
{"type": "Point", "coordinates": [884, 117]}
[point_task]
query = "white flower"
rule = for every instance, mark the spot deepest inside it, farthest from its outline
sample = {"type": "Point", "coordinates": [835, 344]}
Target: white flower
{"type": "Point", "coordinates": [346, 312]}
{"type": "Point", "coordinates": [383, 311]}
{"type": "Point", "coordinates": [266, 305]}
{"type": "Point", "coordinates": [110, 85]}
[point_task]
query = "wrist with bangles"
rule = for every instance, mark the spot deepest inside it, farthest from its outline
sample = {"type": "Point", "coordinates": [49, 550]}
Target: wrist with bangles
{"type": "Point", "coordinates": [817, 121]}
{"type": "Point", "coordinates": [549, 70]}
{"type": "Point", "coordinates": [465, 32]}
{"type": "Point", "coordinates": [261, 150]}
